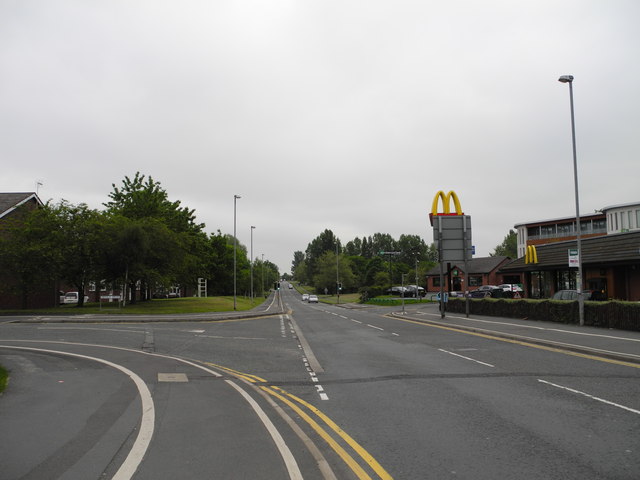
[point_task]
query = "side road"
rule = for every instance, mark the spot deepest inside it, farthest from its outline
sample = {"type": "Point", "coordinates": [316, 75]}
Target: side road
{"type": "Point", "coordinates": [618, 345]}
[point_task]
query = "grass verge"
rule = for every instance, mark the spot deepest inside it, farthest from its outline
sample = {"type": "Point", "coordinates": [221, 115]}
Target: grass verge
{"type": "Point", "coordinates": [151, 307]}
{"type": "Point", "coordinates": [4, 378]}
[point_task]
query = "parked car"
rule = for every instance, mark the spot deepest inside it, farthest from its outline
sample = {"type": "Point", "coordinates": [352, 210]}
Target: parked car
{"type": "Point", "coordinates": [305, 297]}
{"type": "Point", "coordinates": [72, 297]}
{"type": "Point", "coordinates": [486, 287]}
{"type": "Point", "coordinates": [510, 287]}
{"type": "Point", "coordinates": [412, 289]}
{"type": "Point", "coordinates": [495, 292]}
{"type": "Point", "coordinates": [313, 299]}
{"type": "Point", "coordinates": [572, 295]}
{"type": "Point", "coordinates": [398, 291]}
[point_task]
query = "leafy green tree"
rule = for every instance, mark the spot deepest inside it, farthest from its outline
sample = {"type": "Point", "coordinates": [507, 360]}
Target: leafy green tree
{"type": "Point", "coordinates": [138, 199]}
{"type": "Point", "coordinates": [329, 271]}
{"type": "Point", "coordinates": [298, 258]}
{"type": "Point", "coordinates": [325, 242]}
{"type": "Point", "coordinates": [508, 247]}
{"type": "Point", "coordinates": [29, 251]}
{"type": "Point", "coordinates": [78, 238]}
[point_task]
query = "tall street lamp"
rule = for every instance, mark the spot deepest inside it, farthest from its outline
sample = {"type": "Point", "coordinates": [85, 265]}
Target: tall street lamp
{"type": "Point", "coordinates": [569, 79]}
{"type": "Point", "coordinates": [251, 262]}
{"type": "Point", "coordinates": [235, 242]}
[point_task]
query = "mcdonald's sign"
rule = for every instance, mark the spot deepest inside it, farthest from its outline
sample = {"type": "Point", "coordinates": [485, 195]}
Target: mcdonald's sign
{"type": "Point", "coordinates": [531, 255]}
{"type": "Point", "coordinates": [446, 204]}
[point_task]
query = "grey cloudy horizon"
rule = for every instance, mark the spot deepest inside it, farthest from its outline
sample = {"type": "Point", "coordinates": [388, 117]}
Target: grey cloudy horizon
{"type": "Point", "coordinates": [346, 116]}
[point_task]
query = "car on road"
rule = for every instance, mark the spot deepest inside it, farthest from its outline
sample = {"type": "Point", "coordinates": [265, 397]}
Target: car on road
{"type": "Point", "coordinates": [305, 297]}
{"type": "Point", "coordinates": [313, 299]}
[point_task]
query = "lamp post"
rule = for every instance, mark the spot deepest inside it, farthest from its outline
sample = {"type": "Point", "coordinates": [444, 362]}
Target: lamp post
{"type": "Point", "coordinates": [262, 283]}
{"type": "Point", "coordinates": [235, 241]}
{"type": "Point", "coordinates": [251, 262]}
{"type": "Point", "coordinates": [569, 79]}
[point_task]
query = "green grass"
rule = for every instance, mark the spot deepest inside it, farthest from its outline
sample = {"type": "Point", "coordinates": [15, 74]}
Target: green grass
{"type": "Point", "coordinates": [4, 379]}
{"type": "Point", "coordinates": [152, 307]}
{"type": "Point", "coordinates": [344, 298]}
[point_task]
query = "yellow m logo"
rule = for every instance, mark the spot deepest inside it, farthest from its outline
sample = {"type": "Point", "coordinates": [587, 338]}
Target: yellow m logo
{"type": "Point", "coordinates": [531, 256]}
{"type": "Point", "coordinates": [446, 203]}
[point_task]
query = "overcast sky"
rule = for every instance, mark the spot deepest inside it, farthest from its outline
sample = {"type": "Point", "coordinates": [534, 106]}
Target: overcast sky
{"type": "Point", "coordinates": [342, 115]}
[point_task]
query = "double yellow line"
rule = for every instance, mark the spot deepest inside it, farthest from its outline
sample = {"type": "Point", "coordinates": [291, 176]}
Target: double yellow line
{"type": "Point", "coordinates": [298, 405]}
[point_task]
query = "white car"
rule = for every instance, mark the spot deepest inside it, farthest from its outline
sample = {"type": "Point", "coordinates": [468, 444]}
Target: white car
{"type": "Point", "coordinates": [313, 299]}
{"type": "Point", "coordinates": [510, 287]}
{"type": "Point", "coordinates": [305, 297]}
{"type": "Point", "coordinates": [72, 297]}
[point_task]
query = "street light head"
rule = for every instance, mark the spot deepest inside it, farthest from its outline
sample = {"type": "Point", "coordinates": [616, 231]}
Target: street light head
{"type": "Point", "coordinates": [566, 79]}
{"type": "Point", "coordinates": [237, 196]}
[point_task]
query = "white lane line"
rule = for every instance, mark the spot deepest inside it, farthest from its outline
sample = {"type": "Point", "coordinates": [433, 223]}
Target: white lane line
{"type": "Point", "coordinates": [467, 358]}
{"type": "Point", "coordinates": [396, 334]}
{"type": "Point", "coordinates": [632, 410]}
{"type": "Point", "coordinates": [357, 321]}
{"type": "Point", "coordinates": [141, 444]}
{"type": "Point", "coordinates": [287, 456]}
{"type": "Point", "coordinates": [373, 326]}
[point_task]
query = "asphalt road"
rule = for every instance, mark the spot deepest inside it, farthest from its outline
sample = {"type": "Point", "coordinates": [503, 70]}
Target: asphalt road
{"type": "Point", "coordinates": [322, 392]}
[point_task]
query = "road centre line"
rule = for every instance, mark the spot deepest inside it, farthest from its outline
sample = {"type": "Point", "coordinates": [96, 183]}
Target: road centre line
{"type": "Point", "coordinates": [373, 326]}
{"type": "Point", "coordinates": [632, 410]}
{"type": "Point", "coordinates": [466, 358]}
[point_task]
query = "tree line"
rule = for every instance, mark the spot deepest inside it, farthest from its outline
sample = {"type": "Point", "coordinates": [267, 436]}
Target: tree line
{"type": "Point", "coordinates": [140, 242]}
{"type": "Point", "coordinates": [370, 264]}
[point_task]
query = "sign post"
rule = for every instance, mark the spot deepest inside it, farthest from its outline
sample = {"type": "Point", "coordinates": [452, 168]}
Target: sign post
{"type": "Point", "coordinates": [452, 235]}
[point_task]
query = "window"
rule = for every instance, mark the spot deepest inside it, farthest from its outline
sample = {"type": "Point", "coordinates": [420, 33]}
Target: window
{"type": "Point", "coordinates": [637, 218]}
{"type": "Point", "coordinates": [436, 281]}
{"type": "Point", "coordinates": [548, 230]}
{"type": "Point", "coordinates": [475, 280]}
{"type": "Point", "coordinates": [630, 213]}
{"type": "Point", "coordinates": [535, 231]}
{"type": "Point", "coordinates": [599, 225]}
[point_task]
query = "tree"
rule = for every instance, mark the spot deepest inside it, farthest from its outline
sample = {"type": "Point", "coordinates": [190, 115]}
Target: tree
{"type": "Point", "coordinates": [78, 239]}
{"type": "Point", "coordinates": [325, 242]}
{"type": "Point", "coordinates": [508, 247]}
{"type": "Point", "coordinates": [298, 258]}
{"type": "Point", "coordinates": [329, 271]}
{"type": "Point", "coordinates": [29, 252]}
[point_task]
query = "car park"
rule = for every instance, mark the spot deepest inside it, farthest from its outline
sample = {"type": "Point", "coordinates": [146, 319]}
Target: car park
{"type": "Point", "coordinates": [313, 299]}
{"type": "Point", "coordinates": [305, 297]}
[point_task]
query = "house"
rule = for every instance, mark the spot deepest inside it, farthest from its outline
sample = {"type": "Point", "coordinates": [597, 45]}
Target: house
{"type": "Point", "coordinates": [13, 207]}
{"type": "Point", "coordinates": [482, 271]}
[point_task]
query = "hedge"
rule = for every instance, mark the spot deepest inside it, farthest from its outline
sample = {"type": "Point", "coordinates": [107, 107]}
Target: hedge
{"type": "Point", "coordinates": [612, 314]}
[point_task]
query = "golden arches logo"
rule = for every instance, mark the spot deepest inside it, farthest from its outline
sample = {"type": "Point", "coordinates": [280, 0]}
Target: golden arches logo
{"type": "Point", "coordinates": [531, 255]}
{"type": "Point", "coordinates": [446, 203]}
